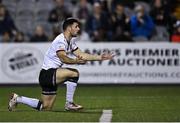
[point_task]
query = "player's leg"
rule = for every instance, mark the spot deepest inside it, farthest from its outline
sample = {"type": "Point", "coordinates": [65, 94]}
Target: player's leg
{"type": "Point", "coordinates": [48, 101]}
{"type": "Point", "coordinates": [64, 74]}
{"type": "Point", "coordinates": [47, 81]}
{"type": "Point", "coordinates": [49, 88]}
{"type": "Point", "coordinates": [70, 76]}
{"type": "Point", "coordinates": [45, 104]}
{"type": "Point", "coordinates": [16, 99]}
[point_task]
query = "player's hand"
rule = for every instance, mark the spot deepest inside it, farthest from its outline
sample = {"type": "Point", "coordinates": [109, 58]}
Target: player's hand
{"type": "Point", "coordinates": [107, 56]}
{"type": "Point", "coordinates": [79, 60]}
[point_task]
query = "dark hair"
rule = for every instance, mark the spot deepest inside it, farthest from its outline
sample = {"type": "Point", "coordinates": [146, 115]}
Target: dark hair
{"type": "Point", "coordinates": [68, 22]}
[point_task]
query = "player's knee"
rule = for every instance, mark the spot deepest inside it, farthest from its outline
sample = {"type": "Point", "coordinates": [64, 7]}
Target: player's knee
{"type": "Point", "coordinates": [47, 107]}
{"type": "Point", "coordinates": [75, 73]}
{"type": "Point", "coordinates": [74, 77]}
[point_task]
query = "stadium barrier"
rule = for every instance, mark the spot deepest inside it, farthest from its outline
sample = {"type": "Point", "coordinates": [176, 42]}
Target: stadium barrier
{"type": "Point", "coordinates": [133, 63]}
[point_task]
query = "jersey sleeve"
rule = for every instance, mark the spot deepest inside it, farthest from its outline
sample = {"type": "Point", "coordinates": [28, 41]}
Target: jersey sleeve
{"type": "Point", "coordinates": [60, 47]}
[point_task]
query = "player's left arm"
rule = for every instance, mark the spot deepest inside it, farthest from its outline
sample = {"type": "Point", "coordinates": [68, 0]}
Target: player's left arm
{"type": "Point", "coordinates": [90, 57]}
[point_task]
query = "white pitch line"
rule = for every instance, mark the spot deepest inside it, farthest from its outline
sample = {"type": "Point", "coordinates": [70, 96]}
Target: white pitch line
{"type": "Point", "coordinates": [106, 116]}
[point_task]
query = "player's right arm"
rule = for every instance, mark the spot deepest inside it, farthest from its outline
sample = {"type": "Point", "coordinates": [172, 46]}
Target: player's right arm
{"type": "Point", "coordinates": [65, 59]}
{"type": "Point", "coordinates": [91, 57]}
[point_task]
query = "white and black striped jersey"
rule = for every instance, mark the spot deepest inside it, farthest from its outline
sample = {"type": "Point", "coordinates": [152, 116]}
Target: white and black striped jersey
{"type": "Point", "coordinates": [51, 60]}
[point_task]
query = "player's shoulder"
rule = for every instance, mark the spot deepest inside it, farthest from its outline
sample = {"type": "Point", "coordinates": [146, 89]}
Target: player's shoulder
{"type": "Point", "coordinates": [59, 39]}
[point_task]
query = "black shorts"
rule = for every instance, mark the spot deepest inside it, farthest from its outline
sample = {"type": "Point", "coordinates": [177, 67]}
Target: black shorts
{"type": "Point", "coordinates": [47, 81]}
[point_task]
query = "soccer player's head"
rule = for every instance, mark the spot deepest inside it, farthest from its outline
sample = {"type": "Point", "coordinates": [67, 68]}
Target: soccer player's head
{"type": "Point", "coordinates": [71, 25]}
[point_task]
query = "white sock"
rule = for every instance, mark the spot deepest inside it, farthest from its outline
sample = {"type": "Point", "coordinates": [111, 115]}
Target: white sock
{"type": "Point", "coordinates": [70, 89]}
{"type": "Point", "coordinates": [28, 101]}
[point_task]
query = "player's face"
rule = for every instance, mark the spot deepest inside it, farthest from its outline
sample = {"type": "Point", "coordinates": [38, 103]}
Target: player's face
{"type": "Point", "coordinates": [75, 29]}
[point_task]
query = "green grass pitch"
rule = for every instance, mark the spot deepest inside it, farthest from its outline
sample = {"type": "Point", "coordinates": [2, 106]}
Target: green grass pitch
{"type": "Point", "coordinates": [128, 103]}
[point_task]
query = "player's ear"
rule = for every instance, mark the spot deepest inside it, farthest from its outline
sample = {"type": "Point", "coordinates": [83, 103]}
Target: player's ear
{"type": "Point", "coordinates": [69, 28]}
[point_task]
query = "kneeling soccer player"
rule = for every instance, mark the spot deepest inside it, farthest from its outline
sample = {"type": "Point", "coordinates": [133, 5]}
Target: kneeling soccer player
{"type": "Point", "coordinates": [52, 72]}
